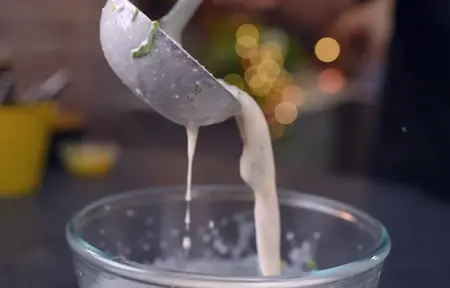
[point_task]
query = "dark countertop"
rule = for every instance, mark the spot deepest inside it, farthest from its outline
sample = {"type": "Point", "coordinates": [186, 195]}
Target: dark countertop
{"type": "Point", "coordinates": [34, 252]}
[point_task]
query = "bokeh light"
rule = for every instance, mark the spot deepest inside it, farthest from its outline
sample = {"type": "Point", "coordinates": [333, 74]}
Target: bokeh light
{"type": "Point", "coordinates": [262, 58]}
{"type": "Point", "coordinates": [284, 79]}
{"type": "Point", "coordinates": [270, 69]}
{"type": "Point", "coordinates": [236, 80]}
{"type": "Point", "coordinates": [256, 81]}
{"type": "Point", "coordinates": [245, 63]}
{"type": "Point", "coordinates": [245, 52]}
{"type": "Point", "coordinates": [249, 73]}
{"type": "Point", "coordinates": [293, 94]}
{"type": "Point", "coordinates": [261, 90]}
{"type": "Point", "coordinates": [327, 49]}
{"type": "Point", "coordinates": [247, 38]}
{"type": "Point", "coordinates": [272, 50]}
{"type": "Point", "coordinates": [247, 42]}
{"type": "Point", "coordinates": [275, 47]}
{"type": "Point", "coordinates": [268, 107]}
{"type": "Point", "coordinates": [286, 112]}
{"type": "Point", "coordinates": [331, 81]}
{"type": "Point", "coordinates": [256, 60]}
{"type": "Point", "coordinates": [247, 30]}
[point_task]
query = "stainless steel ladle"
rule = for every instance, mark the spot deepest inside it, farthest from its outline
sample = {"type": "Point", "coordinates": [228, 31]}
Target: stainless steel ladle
{"type": "Point", "coordinates": [151, 62]}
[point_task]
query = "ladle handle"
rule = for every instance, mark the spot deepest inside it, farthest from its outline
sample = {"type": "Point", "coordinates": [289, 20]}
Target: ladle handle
{"type": "Point", "coordinates": [178, 17]}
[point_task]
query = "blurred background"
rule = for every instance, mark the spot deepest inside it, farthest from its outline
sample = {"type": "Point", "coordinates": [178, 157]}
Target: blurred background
{"type": "Point", "coordinates": [315, 105]}
{"type": "Point", "coordinates": [71, 132]}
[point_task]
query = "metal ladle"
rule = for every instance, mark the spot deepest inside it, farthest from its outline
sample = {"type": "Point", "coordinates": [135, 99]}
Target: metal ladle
{"type": "Point", "coordinates": [164, 75]}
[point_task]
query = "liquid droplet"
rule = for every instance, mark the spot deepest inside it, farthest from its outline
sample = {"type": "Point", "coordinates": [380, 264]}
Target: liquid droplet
{"type": "Point", "coordinates": [187, 243]}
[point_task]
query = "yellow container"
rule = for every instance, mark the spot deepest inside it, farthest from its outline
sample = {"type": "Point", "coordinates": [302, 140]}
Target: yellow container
{"type": "Point", "coordinates": [24, 142]}
{"type": "Point", "coordinates": [89, 159]}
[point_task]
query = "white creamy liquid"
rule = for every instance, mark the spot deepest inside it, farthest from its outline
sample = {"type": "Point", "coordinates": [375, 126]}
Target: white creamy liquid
{"type": "Point", "coordinates": [192, 135]}
{"type": "Point", "coordinates": [257, 169]}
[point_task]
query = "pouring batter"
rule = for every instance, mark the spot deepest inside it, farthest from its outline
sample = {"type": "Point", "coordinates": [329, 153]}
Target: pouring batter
{"type": "Point", "coordinates": [192, 135]}
{"type": "Point", "coordinates": [122, 30]}
{"type": "Point", "coordinates": [257, 169]}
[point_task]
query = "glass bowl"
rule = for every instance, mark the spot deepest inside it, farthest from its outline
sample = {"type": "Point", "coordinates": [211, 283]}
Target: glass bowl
{"type": "Point", "coordinates": [134, 240]}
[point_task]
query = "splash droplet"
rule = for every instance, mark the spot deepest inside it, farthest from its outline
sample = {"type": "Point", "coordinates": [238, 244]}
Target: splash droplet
{"type": "Point", "coordinates": [187, 243]}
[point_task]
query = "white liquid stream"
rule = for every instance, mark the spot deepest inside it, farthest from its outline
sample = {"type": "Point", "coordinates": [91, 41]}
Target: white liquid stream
{"type": "Point", "coordinates": [257, 169]}
{"type": "Point", "coordinates": [192, 135]}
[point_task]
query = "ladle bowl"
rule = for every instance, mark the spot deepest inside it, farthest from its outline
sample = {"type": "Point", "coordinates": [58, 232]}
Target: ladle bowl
{"type": "Point", "coordinates": [167, 78]}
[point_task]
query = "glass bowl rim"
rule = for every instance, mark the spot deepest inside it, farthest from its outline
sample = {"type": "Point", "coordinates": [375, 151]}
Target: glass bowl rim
{"type": "Point", "coordinates": [136, 272]}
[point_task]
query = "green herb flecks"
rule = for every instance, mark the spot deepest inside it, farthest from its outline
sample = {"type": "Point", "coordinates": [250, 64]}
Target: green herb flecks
{"type": "Point", "coordinates": [198, 89]}
{"type": "Point", "coordinates": [146, 48]}
{"type": "Point", "coordinates": [113, 7]}
{"type": "Point", "coordinates": [135, 14]}
{"type": "Point", "coordinates": [311, 264]}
